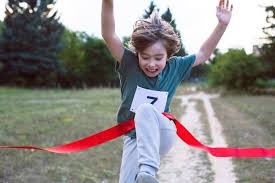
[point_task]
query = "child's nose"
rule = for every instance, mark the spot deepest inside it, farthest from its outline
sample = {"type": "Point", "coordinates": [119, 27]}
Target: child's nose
{"type": "Point", "coordinates": [152, 64]}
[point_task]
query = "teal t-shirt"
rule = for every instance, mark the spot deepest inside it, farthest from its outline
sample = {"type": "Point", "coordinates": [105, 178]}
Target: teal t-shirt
{"type": "Point", "coordinates": [130, 74]}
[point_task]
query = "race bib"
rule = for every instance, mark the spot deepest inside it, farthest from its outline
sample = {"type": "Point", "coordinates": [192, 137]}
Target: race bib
{"type": "Point", "coordinates": [156, 98]}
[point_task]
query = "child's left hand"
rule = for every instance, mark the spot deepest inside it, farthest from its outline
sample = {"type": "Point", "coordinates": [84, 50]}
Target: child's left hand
{"type": "Point", "coordinates": [224, 12]}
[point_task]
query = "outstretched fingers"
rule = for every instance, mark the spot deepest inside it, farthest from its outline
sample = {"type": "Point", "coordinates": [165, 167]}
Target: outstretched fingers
{"type": "Point", "coordinates": [225, 5]}
{"type": "Point", "coordinates": [221, 3]}
{"type": "Point", "coordinates": [231, 7]}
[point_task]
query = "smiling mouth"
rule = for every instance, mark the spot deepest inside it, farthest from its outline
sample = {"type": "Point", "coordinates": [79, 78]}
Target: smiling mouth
{"type": "Point", "coordinates": [152, 70]}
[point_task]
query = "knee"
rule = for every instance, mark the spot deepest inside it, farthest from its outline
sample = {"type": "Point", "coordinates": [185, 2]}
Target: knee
{"type": "Point", "coordinates": [145, 109]}
{"type": "Point", "coordinates": [144, 112]}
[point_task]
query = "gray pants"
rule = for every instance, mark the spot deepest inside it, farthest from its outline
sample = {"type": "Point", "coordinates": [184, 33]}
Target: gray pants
{"type": "Point", "coordinates": [156, 135]}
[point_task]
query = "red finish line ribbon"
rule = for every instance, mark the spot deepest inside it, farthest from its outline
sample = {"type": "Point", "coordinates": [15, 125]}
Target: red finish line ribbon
{"type": "Point", "coordinates": [188, 138]}
{"type": "Point", "coordinates": [86, 142]}
{"type": "Point", "coordinates": [125, 127]}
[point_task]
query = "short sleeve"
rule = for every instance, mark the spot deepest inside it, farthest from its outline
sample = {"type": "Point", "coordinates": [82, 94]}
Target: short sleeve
{"type": "Point", "coordinates": [184, 66]}
{"type": "Point", "coordinates": [128, 61]}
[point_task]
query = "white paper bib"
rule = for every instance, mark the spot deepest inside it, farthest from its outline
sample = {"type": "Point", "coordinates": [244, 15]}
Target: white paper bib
{"type": "Point", "coordinates": [156, 98]}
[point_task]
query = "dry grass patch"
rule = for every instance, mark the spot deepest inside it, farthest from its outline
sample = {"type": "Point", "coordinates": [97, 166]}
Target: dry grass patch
{"type": "Point", "coordinates": [249, 121]}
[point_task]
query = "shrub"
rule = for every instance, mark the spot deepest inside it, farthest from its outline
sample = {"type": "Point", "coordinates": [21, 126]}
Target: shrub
{"type": "Point", "coordinates": [236, 70]}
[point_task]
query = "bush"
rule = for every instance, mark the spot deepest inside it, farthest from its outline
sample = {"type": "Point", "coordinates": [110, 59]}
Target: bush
{"type": "Point", "coordinates": [265, 83]}
{"type": "Point", "coordinates": [236, 70]}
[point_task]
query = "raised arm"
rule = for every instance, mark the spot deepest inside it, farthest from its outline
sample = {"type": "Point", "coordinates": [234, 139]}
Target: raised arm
{"type": "Point", "coordinates": [223, 14]}
{"type": "Point", "coordinates": [108, 30]}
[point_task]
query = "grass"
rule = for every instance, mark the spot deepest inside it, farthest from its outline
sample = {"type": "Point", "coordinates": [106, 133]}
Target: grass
{"type": "Point", "coordinates": [208, 176]}
{"type": "Point", "coordinates": [248, 121]}
{"type": "Point", "coordinates": [203, 119]}
{"type": "Point", "coordinates": [51, 117]}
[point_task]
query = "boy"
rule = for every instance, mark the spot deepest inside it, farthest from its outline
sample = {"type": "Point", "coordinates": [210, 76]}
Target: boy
{"type": "Point", "coordinates": [149, 76]}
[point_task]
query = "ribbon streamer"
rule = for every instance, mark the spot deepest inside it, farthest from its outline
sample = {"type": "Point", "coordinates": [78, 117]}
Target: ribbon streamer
{"type": "Point", "coordinates": [125, 127]}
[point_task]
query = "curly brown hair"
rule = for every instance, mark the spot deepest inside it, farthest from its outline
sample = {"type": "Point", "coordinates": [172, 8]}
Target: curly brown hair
{"type": "Point", "coordinates": [148, 31]}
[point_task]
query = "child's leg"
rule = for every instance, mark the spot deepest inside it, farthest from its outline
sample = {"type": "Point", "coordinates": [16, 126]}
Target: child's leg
{"type": "Point", "coordinates": [129, 162]}
{"type": "Point", "coordinates": [156, 134]}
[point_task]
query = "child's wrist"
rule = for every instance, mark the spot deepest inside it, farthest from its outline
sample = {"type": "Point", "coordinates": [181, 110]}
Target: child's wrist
{"type": "Point", "coordinates": [222, 25]}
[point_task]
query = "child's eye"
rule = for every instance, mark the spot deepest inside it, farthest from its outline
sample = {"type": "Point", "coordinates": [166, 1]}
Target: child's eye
{"type": "Point", "coordinates": [145, 58]}
{"type": "Point", "coordinates": [159, 58]}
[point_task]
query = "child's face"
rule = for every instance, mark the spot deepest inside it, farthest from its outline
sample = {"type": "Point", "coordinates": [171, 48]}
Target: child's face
{"type": "Point", "coordinates": [153, 59]}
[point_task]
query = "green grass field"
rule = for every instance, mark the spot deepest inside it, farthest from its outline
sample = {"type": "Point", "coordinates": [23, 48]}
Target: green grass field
{"type": "Point", "coordinates": [52, 117]}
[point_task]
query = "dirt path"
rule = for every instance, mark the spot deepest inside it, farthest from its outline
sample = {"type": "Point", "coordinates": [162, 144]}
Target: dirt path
{"type": "Point", "coordinates": [188, 165]}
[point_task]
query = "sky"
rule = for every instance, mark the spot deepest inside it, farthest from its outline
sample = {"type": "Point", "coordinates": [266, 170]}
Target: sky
{"type": "Point", "coordinates": [195, 19]}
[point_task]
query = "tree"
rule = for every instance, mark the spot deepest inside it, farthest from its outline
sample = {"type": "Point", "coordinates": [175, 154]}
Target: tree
{"type": "Point", "coordinates": [152, 8]}
{"type": "Point", "coordinates": [168, 17]}
{"type": "Point", "coordinates": [30, 43]}
{"type": "Point", "coordinates": [87, 61]}
{"type": "Point", "coordinates": [72, 56]}
{"type": "Point", "coordinates": [268, 49]}
{"type": "Point", "coordinates": [214, 56]}
{"type": "Point", "coordinates": [236, 70]}
{"type": "Point", "coordinates": [1, 28]}
{"type": "Point", "coordinates": [99, 64]}
{"type": "Point", "coordinates": [201, 71]}
{"type": "Point", "coordinates": [125, 41]}
{"type": "Point", "coordinates": [270, 19]}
